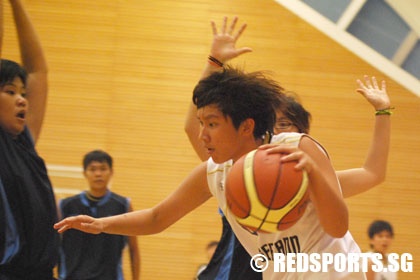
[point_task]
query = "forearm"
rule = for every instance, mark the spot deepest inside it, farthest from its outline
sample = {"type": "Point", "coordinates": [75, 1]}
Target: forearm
{"type": "Point", "coordinates": [135, 263]}
{"type": "Point", "coordinates": [192, 192]}
{"type": "Point", "coordinates": [141, 222]}
{"type": "Point", "coordinates": [154, 220]}
{"type": "Point", "coordinates": [191, 125]}
{"type": "Point", "coordinates": [377, 157]}
{"type": "Point", "coordinates": [34, 62]}
{"type": "Point", "coordinates": [325, 190]}
{"type": "Point", "coordinates": [135, 270]}
{"type": "Point", "coordinates": [222, 50]}
{"type": "Point", "coordinates": [331, 208]}
{"type": "Point", "coordinates": [192, 129]}
{"type": "Point", "coordinates": [373, 172]}
{"type": "Point", "coordinates": [30, 46]}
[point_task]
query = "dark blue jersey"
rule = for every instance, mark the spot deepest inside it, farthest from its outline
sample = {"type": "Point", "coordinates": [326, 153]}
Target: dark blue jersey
{"type": "Point", "coordinates": [230, 261]}
{"type": "Point", "coordinates": [92, 256]}
{"type": "Point", "coordinates": [28, 242]}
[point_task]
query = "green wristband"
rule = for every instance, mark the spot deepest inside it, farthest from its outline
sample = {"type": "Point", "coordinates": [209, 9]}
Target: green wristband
{"type": "Point", "coordinates": [384, 111]}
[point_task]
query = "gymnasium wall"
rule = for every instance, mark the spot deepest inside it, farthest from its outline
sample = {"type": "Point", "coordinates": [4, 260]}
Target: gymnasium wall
{"type": "Point", "coordinates": [121, 77]}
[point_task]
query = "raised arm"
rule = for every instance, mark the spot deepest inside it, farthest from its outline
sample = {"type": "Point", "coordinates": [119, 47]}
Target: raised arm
{"type": "Point", "coordinates": [33, 60]}
{"type": "Point", "coordinates": [222, 49]}
{"type": "Point", "coordinates": [192, 192]}
{"type": "Point", "coordinates": [357, 180]}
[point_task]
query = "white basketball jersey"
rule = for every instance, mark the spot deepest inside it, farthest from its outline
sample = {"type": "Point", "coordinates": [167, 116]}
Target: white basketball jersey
{"type": "Point", "coordinates": [306, 236]}
{"type": "Point", "coordinates": [385, 275]}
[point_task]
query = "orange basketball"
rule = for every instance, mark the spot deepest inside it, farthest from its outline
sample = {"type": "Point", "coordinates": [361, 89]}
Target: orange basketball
{"type": "Point", "coordinates": [264, 194]}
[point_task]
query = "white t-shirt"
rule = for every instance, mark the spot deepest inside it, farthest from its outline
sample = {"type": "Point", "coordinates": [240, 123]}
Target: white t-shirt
{"type": "Point", "coordinates": [385, 275]}
{"type": "Point", "coordinates": [306, 236]}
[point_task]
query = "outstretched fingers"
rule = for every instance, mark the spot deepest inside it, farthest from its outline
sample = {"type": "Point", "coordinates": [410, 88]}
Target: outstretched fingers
{"type": "Point", "coordinates": [214, 27]}
{"type": "Point", "coordinates": [232, 25]}
{"type": "Point", "coordinates": [81, 222]}
{"type": "Point", "coordinates": [375, 94]}
{"type": "Point", "coordinates": [63, 225]}
{"type": "Point", "coordinates": [224, 25]}
{"type": "Point", "coordinates": [240, 31]}
{"type": "Point", "coordinates": [223, 47]}
{"type": "Point", "coordinates": [231, 28]}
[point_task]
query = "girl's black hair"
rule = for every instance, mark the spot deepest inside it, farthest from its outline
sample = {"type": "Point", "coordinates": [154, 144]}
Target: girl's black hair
{"type": "Point", "coordinates": [9, 70]}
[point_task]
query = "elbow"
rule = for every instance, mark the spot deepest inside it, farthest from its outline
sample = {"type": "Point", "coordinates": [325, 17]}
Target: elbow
{"type": "Point", "coordinates": [343, 225]}
{"type": "Point", "coordinates": [380, 178]}
{"type": "Point", "coordinates": [189, 128]}
{"type": "Point", "coordinates": [339, 227]}
{"type": "Point", "coordinates": [39, 68]}
{"type": "Point", "coordinates": [190, 134]}
{"type": "Point", "coordinates": [377, 175]}
{"type": "Point", "coordinates": [43, 68]}
{"type": "Point", "coordinates": [338, 232]}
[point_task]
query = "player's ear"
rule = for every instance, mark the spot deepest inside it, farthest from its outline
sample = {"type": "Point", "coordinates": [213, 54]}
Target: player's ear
{"type": "Point", "coordinates": [247, 126]}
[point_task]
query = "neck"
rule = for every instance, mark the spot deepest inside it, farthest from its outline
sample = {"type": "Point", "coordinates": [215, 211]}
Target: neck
{"type": "Point", "coordinates": [96, 194]}
{"type": "Point", "coordinates": [248, 148]}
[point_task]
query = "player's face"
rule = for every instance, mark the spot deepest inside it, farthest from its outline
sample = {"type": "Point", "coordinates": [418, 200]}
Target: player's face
{"type": "Point", "coordinates": [283, 124]}
{"type": "Point", "coordinates": [220, 138]}
{"type": "Point", "coordinates": [13, 107]}
{"type": "Point", "coordinates": [98, 174]}
{"type": "Point", "coordinates": [381, 241]}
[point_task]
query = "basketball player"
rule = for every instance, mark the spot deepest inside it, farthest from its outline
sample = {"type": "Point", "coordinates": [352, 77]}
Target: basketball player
{"type": "Point", "coordinates": [210, 250]}
{"type": "Point", "coordinates": [87, 256]}
{"type": "Point", "coordinates": [236, 110]}
{"type": "Point", "coordinates": [230, 256]}
{"type": "Point", "coordinates": [28, 246]}
{"type": "Point", "coordinates": [380, 235]}
{"type": "Point", "coordinates": [290, 118]}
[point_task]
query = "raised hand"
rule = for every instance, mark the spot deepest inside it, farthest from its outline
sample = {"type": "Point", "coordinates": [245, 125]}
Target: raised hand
{"type": "Point", "coordinates": [375, 95]}
{"type": "Point", "coordinates": [223, 46]}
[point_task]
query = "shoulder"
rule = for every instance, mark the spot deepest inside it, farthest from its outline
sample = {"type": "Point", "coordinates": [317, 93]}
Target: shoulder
{"type": "Point", "coordinates": [287, 138]}
{"type": "Point", "coordinates": [118, 196]}
{"type": "Point", "coordinates": [69, 200]}
{"type": "Point", "coordinates": [27, 134]}
{"type": "Point", "coordinates": [311, 143]}
{"type": "Point", "coordinates": [26, 138]}
{"type": "Point", "coordinates": [213, 167]}
{"type": "Point", "coordinates": [122, 200]}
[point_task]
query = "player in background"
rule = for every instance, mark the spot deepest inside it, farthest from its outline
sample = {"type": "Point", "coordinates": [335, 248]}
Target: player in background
{"type": "Point", "coordinates": [381, 235]}
{"type": "Point", "coordinates": [87, 256]}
